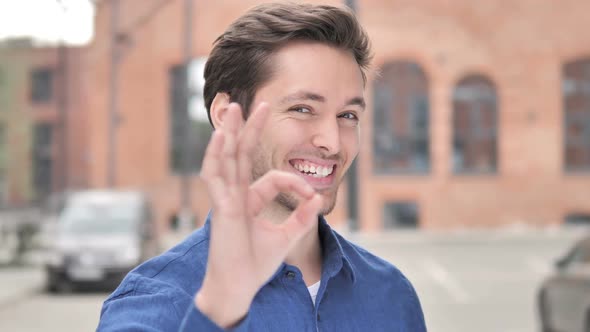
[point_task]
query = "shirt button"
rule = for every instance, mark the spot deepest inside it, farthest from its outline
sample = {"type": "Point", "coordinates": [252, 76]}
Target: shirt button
{"type": "Point", "coordinates": [318, 316]}
{"type": "Point", "coordinates": [290, 275]}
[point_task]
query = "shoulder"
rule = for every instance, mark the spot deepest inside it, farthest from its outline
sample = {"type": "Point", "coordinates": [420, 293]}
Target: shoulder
{"type": "Point", "coordinates": [158, 292]}
{"type": "Point", "coordinates": [178, 271]}
{"type": "Point", "coordinates": [379, 279]}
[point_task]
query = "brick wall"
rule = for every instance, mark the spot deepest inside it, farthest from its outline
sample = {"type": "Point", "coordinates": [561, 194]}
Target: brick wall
{"type": "Point", "coordinates": [520, 46]}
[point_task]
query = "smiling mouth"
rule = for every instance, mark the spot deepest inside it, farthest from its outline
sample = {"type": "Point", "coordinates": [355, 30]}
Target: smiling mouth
{"type": "Point", "coordinates": [314, 170]}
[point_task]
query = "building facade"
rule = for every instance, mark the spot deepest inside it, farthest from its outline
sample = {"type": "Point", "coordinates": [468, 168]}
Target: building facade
{"type": "Point", "coordinates": [479, 113]}
{"type": "Point", "coordinates": [37, 156]}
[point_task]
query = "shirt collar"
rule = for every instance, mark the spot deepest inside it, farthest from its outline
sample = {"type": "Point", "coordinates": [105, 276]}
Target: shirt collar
{"type": "Point", "coordinates": [335, 258]}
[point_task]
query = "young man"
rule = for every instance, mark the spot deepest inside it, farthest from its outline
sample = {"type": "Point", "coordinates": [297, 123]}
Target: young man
{"type": "Point", "coordinates": [266, 260]}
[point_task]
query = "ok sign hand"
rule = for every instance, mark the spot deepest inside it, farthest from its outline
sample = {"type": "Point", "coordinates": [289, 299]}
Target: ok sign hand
{"type": "Point", "coordinates": [245, 249]}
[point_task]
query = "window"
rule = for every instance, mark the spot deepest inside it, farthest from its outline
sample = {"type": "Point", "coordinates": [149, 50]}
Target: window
{"type": "Point", "coordinates": [3, 189]}
{"type": "Point", "coordinates": [580, 254]}
{"type": "Point", "coordinates": [578, 219]}
{"type": "Point", "coordinates": [475, 121]}
{"type": "Point", "coordinates": [3, 91]}
{"type": "Point", "coordinates": [42, 159]}
{"type": "Point", "coordinates": [188, 118]}
{"type": "Point", "coordinates": [41, 85]}
{"type": "Point", "coordinates": [400, 215]}
{"type": "Point", "coordinates": [3, 166]}
{"type": "Point", "coordinates": [2, 147]}
{"type": "Point", "coordinates": [178, 116]}
{"type": "Point", "coordinates": [576, 102]}
{"type": "Point", "coordinates": [401, 120]}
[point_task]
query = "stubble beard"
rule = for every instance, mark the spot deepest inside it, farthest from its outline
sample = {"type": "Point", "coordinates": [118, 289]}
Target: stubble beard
{"type": "Point", "coordinates": [286, 200]}
{"type": "Point", "coordinates": [290, 203]}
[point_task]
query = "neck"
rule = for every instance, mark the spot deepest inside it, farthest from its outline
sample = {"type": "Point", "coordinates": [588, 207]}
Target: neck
{"type": "Point", "coordinates": [307, 252]}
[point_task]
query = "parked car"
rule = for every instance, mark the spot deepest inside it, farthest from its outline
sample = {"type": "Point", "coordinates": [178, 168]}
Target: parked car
{"type": "Point", "coordinates": [98, 237]}
{"type": "Point", "coordinates": [564, 298]}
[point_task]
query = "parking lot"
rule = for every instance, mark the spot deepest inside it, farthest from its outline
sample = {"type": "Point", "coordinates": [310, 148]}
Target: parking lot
{"type": "Point", "coordinates": [470, 281]}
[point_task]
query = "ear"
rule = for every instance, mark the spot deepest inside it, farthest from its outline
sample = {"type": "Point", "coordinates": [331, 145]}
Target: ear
{"type": "Point", "coordinates": [219, 109]}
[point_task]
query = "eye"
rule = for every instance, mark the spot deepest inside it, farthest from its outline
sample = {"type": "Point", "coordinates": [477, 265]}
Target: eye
{"type": "Point", "coordinates": [300, 109]}
{"type": "Point", "coordinates": [349, 116]}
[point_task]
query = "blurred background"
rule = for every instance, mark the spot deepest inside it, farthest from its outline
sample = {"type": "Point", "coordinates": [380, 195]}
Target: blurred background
{"type": "Point", "coordinates": [473, 176]}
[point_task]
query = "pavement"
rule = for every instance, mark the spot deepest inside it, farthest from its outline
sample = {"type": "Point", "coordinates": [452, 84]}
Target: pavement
{"type": "Point", "coordinates": [20, 283]}
{"type": "Point", "coordinates": [446, 267]}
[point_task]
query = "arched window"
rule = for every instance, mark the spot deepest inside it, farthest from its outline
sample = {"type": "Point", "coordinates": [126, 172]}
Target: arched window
{"type": "Point", "coordinates": [576, 101]}
{"type": "Point", "coordinates": [401, 124]}
{"type": "Point", "coordinates": [475, 122]}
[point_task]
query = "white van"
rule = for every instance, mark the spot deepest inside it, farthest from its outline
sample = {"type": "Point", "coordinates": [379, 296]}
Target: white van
{"type": "Point", "coordinates": [99, 236]}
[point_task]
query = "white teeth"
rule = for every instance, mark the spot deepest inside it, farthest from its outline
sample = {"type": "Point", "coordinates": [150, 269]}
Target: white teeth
{"type": "Point", "coordinates": [315, 171]}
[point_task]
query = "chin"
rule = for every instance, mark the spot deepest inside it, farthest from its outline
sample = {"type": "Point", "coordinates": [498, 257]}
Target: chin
{"type": "Point", "coordinates": [327, 209]}
{"type": "Point", "coordinates": [290, 203]}
{"type": "Point", "coordinates": [329, 204]}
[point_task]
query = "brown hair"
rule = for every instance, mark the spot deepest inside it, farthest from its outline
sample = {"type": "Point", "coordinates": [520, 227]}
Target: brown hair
{"type": "Point", "coordinates": [239, 61]}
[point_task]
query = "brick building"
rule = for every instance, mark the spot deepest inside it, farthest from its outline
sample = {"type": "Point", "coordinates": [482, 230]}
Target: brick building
{"type": "Point", "coordinates": [38, 99]}
{"type": "Point", "coordinates": [479, 116]}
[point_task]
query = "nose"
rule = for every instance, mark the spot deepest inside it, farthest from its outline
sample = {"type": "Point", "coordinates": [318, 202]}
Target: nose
{"type": "Point", "coordinates": [327, 136]}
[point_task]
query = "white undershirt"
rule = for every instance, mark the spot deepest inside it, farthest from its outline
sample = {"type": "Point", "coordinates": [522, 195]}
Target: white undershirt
{"type": "Point", "coordinates": [313, 291]}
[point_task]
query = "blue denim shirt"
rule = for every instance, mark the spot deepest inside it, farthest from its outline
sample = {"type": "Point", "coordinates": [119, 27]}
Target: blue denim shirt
{"type": "Point", "coordinates": [358, 292]}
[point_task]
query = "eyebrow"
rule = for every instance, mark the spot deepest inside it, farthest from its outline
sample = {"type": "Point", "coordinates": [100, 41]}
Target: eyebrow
{"type": "Point", "coordinates": [306, 95]}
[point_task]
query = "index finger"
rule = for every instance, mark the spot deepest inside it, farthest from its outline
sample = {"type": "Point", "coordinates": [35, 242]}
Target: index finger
{"type": "Point", "coordinates": [248, 139]}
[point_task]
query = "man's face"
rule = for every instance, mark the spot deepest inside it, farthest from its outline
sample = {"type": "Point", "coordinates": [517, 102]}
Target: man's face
{"type": "Point", "coordinates": [316, 101]}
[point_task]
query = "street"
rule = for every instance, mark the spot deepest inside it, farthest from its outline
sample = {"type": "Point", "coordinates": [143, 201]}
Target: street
{"type": "Point", "coordinates": [484, 282]}
{"type": "Point", "coordinates": [43, 312]}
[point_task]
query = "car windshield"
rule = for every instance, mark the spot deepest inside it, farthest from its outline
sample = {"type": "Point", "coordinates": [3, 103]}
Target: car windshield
{"type": "Point", "coordinates": [581, 253]}
{"type": "Point", "coordinates": [103, 218]}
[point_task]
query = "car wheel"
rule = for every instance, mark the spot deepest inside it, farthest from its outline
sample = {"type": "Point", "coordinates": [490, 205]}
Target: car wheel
{"type": "Point", "coordinates": [51, 281]}
{"type": "Point", "coordinates": [64, 286]}
{"type": "Point", "coordinates": [51, 287]}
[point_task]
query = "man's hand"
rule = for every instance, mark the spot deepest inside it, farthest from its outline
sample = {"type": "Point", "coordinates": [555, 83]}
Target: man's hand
{"type": "Point", "coordinates": [245, 250]}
